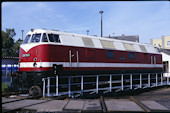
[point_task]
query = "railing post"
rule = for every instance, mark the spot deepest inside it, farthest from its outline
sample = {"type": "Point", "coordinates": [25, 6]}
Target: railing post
{"type": "Point", "coordinates": [11, 81]}
{"type": "Point", "coordinates": [43, 87]}
{"type": "Point", "coordinates": [140, 80]}
{"type": "Point", "coordinates": [57, 85]}
{"type": "Point", "coordinates": [149, 80]}
{"type": "Point", "coordinates": [48, 87]}
{"type": "Point", "coordinates": [97, 83]}
{"type": "Point", "coordinates": [6, 70]}
{"type": "Point", "coordinates": [156, 79]}
{"type": "Point", "coordinates": [131, 79]}
{"type": "Point", "coordinates": [167, 80]}
{"type": "Point", "coordinates": [69, 86]}
{"type": "Point", "coordinates": [122, 82]}
{"type": "Point", "coordinates": [110, 83]}
{"type": "Point", "coordinates": [82, 85]}
{"type": "Point", "coordinates": [11, 69]}
{"type": "Point", "coordinates": [161, 79]}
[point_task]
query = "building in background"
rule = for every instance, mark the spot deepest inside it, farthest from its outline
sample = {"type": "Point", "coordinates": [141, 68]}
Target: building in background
{"type": "Point", "coordinates": [163, 42]}
{"type": "Point", "coordinates": [157, 42]}
{"type": "Point", "coordinates": [166, 42]}
{"type": "Point", "coordinates": [164, 45]}
{"type": "Point", "coordinates": [133, 38]}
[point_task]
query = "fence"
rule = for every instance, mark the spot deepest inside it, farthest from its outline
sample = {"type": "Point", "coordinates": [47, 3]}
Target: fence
{"type": "Point", "coordinates": [78, 85]}
{"type": "Point", "coordinates": [7, 70]}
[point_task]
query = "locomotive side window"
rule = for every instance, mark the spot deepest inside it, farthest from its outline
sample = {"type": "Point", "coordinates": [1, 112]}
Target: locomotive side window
{"type": "Point", "coordinates": [35, 38]}
{"type": "Point", "coordinates": [54, 38]}
{"type": "Point", "coordinates": [110, 54]}
{"type": "Point", "coordinates": [27, 39]}
{"type": "Point", "coordinates": [44, 38]}
{"type": "Point", "coordinates": [131, 55]}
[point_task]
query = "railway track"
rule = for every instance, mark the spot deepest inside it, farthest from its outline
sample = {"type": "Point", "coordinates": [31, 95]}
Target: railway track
{"type": "Point", "coordinates": [16, 104]}
{"type": "Point", "coordinates": [104, 105]}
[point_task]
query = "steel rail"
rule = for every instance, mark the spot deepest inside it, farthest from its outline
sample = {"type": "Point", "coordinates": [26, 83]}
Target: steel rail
{"type": "Point", "coordinates": [145, 108]}
{"type": "Point", "coordinates": [103, 104]}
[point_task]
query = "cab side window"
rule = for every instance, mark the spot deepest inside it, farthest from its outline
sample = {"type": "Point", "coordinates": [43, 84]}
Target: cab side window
{"type": "Point", "coordinates": [44, 38]}
{"type": "Point", "coordinates": [54, 38]}
{"type": "Point", "coordinates": [50, 36]}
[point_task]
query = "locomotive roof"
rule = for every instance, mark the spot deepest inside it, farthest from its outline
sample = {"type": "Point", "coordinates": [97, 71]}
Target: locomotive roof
{"type": "Point", "coordinates": [73, 39]}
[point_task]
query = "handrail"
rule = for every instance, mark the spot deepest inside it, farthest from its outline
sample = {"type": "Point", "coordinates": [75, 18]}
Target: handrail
{"type": "Point", "coordinates": [122, 82]}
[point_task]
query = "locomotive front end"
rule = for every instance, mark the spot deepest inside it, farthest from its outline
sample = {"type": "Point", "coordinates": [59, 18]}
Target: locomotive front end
{"type": "Point", "coordinates": [33, 60]}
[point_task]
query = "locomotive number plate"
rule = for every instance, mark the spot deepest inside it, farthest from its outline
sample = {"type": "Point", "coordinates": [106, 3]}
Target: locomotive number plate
{"type": "Point", "coordinates": [25, 55]}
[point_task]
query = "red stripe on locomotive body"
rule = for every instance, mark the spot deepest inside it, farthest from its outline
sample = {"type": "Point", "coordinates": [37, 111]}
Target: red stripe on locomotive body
{"type": "Point", "coordinates": [85, 69]}
{"type": "Point", "coordinates": [60, 53]}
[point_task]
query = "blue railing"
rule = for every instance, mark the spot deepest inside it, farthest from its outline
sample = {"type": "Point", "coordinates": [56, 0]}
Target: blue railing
{"type": "Point", "coordinates": [65, 85]}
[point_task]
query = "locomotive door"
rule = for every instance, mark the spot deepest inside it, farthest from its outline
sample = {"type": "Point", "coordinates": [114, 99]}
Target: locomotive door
{"type": "Point", "coordinates": [153, 59]}
{"type": "Point", "coordinates": [73, 58]}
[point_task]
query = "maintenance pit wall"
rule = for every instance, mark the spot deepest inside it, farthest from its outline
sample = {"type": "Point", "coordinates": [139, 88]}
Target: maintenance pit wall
{"type": "Point", "coordinates": [157, 100]}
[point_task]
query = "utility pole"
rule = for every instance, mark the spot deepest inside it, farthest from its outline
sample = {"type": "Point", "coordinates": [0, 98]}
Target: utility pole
{"type": "Point", "coordinates": [101, 23]}
{"type": "Point", "coordinates": [87, 32]}
{"type": "Point", "coordinates": [22, 35]}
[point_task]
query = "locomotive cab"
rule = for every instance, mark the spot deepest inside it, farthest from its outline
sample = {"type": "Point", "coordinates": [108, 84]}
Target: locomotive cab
{"type": "Point", "coordinates": [33, 52]}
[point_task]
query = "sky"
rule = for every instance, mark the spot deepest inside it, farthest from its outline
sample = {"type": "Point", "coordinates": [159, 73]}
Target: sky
{"type": "Point", "coordinates": [148, 19]}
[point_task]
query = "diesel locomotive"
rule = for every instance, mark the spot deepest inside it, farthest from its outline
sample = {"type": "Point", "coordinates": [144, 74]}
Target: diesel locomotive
{"type": "Point", "coordinates": [69, 54]}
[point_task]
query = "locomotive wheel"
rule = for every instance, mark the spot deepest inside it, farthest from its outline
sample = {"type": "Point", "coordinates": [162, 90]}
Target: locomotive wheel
{"type": "Point", "coordinates": [35, 91]}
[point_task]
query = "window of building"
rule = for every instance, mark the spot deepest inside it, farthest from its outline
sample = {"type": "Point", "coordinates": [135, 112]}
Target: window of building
{"type": "Point", "coordinates": [110, 54]}
{"type": "Point", "coordinates": [35, 38]}
{"type": "Point", "coordinates": [131, 55]}
{"type": "Point", "coordinates": [168, 43]}
{"type": "Point", "coordinates": [27, 39]}
{"type": "Point", "coordinates": [44, 38]}
{"type": "Point", "coordinates": [54, 38]}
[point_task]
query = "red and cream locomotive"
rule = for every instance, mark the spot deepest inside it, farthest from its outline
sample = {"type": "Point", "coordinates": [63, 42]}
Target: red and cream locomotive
{"type": "Point", "coordinates": [75, 54]}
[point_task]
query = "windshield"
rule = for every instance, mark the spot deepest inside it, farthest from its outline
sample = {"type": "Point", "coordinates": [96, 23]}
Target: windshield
{"type": "Point", "coordinates": [27, 39]}
{"type": "Point", "coordinates": [35, 38]}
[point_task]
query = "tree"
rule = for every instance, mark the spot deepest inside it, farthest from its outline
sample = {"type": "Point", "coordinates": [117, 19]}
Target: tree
{"type": "Point", "coordinates": [9, 47]}
{"type": "Point", "coordinates": [16, 47]}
